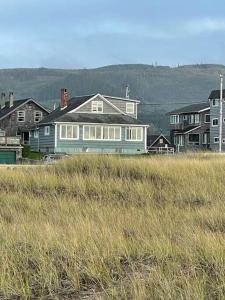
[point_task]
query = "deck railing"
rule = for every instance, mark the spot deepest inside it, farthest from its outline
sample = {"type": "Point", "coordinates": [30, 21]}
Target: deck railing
{"type": "Point", "coordinates": [9, 140]}
{"type": "Point", "coordinates": [161, 150]}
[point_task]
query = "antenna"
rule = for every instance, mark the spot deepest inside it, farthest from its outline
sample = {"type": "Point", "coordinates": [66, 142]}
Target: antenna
{"type": "Point", "coordinates": [128, 92]}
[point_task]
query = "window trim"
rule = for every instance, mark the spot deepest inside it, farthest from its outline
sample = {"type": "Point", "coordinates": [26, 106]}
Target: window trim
{"type": "Point", "coordinates": [24, 114]}
{"type": "Point", "coordinates": [216, 137]}
{"type": "Point", "coordinates": [102, 130]}
{"type": "Point", "coordinates": [41, 117]}
{"type": "Point", "coordinates": [133, 109]}
{"type": "Point", "coordinates": [66, 138]}
{"type": "Point", "coordinates": [175, 117]}
{"type": "Point", "coordinates": [132, 140]}
{"type": "Point", "coordinates": [217, 121]}
{"type": "Point", "coordinates": [45, 130]}
{"type": "Point", "coordinates": [205, 118]}
{"type": "Point", "coordinates": [194, 143]}
{"type": "Point", "coordinates": [97, 102]}
{"type": "Point", "coordinates": [36, 134]}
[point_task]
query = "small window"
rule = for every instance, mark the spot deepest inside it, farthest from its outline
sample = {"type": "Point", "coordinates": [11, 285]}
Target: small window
{"type": "Point", "coordinates": [36, 134]}
{"type": "Point", "coordinates": [215, 102]}
{"type": "Point", "coordinates": [97, 106]}
{"type": "Point", "coordinates": [130, 108]}
{"type": "Point", "coordinates": [207, 118]}
{"type": "Point", "coordinates": [214, 122]}
{"type": "Point", "coordinates": [37, 116]}
{"type": "Point", "coordinates": [161, 141]}
{"type": "Point", "coordinates": [47, 130]}
{"type": "Point", "coordinates": [216, 140]}
{"type": "Point", "coordinates": [223, 141]}
{"type": "Point", "coordinates": [21, 116]}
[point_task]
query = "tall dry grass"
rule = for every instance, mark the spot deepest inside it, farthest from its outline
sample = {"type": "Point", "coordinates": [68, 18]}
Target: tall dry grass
{"type": "Point", "coordinates": [103, 227]}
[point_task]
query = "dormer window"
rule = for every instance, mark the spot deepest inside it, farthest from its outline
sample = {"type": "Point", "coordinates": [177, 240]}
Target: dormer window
{"type": "Point", "coordinates": [97, 106]}
{"type": "Point", "coordinates": [130, 108]}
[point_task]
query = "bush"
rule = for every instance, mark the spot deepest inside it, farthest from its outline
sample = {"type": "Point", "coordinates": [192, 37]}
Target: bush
{"type": "Point", "coordinates": [26, 151]}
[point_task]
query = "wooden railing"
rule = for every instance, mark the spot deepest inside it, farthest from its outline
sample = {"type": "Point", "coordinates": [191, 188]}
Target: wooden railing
{"type": "Point", "coordinates": [161, 150]}
{"type": "Point", "coordinates": [9, 140]}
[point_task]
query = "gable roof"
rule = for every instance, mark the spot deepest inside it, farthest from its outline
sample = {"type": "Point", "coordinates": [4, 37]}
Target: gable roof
{"type": "Point", "coordinates": [215, 94]}
{"type": "Point", "coordinates": [193, 108]}
{"type": "Point", "coordinates": [152, 139]}
{"type": "Point", "coordinates": [7, 110]}
{"type": "Point", "coordinates": [121, 98]}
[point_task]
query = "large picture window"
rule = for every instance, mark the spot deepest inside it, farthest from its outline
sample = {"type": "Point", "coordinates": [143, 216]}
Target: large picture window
{"type": "Point", "coordinates": [97, 106]}
{"type": "Point", "coordinates": [108, 133]}
{"type": "Point", "coordinates": [134, 133]}
{"type": "Point", "coordinates": [69, 132]}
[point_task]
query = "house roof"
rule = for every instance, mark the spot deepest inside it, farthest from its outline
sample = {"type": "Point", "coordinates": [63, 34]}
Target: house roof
{"type": "Point", "coordinates": [96, 119]}
{"type": "Point", "coordinates": [193, 108]}
{"type": "Point", "coordinates": [215, 94]}
{"type": "Point", "coordinates": [6, 110]}
{"type": "Point", "coordinates": [151, 139]}
{"type": "Point", "coordinates": [65, 115]}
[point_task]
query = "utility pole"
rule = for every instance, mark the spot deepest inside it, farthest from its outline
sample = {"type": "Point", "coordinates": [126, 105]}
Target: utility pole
{"type": "Point", "coordinates": [221, 114]}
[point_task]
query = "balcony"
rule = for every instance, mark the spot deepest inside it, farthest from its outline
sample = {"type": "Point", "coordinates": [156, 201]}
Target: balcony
{"type": "Point", "coordinates": [9, 141]}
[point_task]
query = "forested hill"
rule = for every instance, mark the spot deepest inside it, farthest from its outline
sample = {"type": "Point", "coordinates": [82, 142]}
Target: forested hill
{"type": "Point", "coordinates": [160, 88]}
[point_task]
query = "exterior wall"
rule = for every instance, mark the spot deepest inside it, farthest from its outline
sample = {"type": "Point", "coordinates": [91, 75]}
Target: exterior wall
{"type": "Point", "coordinates": [179, 128]}
{"type": "Point", "coordinates": [44, 143]}
{"type": "Point", "coordinates": [107, 108]}
{"type": "Point", "coordinates": [214, 130]}
{"type": "Point", "coordinates": [121, 104]}
{"type": "Point", "coordinates": [12, 126]}
{"type": "Point", "coordinates": [123, 146]}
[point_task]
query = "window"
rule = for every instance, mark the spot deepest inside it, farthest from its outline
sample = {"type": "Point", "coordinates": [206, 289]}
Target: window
{"type": "Point", "coordinates": [161, 140]}
{"type": "Point", "coordinates": [179, 140]}
{"type": "Point", "coordinates": [216, 140]}
{"type": "Point", "coordinates": [130, 108]}
{"type": "Point", "coordinates": [36, 134]}
{"type": "Point", "coordinates": [134, 134]}
{"type": "Point", "coordinates": [37, 116]}
{"type": "Point", "coordinates": [205, 138]}
{"type": "Point", "coordinates": [174, 119]}
{"type": "Point", "coordinates": [194, 119]}
{"type": "Point", "coordinates": [193, 139]}
{"type": "Point", "coordinates": [223, 141]}
{"type": "Point", "coordinates": [109, 133]}
{"type": "Point", "coordinates": [214, 122]}
{"type": "Point", "coordinates": [185, 117]}
{"type": "Point", "coordinates": [47, 130]}
{"type": "Point", "coordinates": [207, 118]}
{"type": "Point", "coordinates": [97, 106]}
{"type": "Point", "coordinates": [215, 102]}
{"type": "Point", "coordinates": [69, 132]}
{"type": "Point", "coordinates": [21, 116]}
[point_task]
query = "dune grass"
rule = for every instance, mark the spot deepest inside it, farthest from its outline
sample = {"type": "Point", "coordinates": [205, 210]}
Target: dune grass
{"type": "Point", "coordinates": [103, 227]}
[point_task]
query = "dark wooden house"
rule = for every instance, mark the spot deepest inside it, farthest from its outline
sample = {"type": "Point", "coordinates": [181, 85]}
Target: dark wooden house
{"type": "Point", "coordinates": [159, 144]}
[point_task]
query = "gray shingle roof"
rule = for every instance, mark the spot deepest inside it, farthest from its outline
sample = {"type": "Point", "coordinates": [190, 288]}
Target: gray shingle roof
{"type": "Point", "coordinates": [6, 110]}
{"type": "Point", "coordinates": [216, 94]}
{"type": "Point", "coordinates": [193, 108]}
{"type": "Point", "coordinates": [98, 118]}
{"type": "Point", "coordinates": [72, 104]}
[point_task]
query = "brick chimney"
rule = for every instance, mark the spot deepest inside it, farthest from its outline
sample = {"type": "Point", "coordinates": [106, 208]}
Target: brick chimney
{"type": "Point", "coordinates": [64, 98]}
{"type": "Point", "coordinates": [11, 99]}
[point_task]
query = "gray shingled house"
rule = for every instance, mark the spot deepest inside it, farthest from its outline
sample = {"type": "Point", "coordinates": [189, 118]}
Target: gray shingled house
{"type": "Point", "coordinates": [93, 123]}
{"type": "Point", "coordinates": [190, 127]}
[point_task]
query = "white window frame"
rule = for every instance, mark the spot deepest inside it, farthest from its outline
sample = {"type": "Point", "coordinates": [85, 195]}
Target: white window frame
{"type": "Point", "coordinates": [214, 139]}
{"type": "Point", "coordinates": [179, 140]}
{"type": "Point", "coordinates": [174, 119]}
{"type": "Point", "coordinates": [69, 138]}
{"type": "Point", "coordinates": [21, 114]}
{"type": "Point", "coordinates": [130, 108]}
{"type": "Point", "coordinates": [205, 118]}
{"type": "Point", "coordinates": [36, 134]}
{"type": "Point", "coordinates": [134, 128]}
{"type": "Point", "coordinates": [205, 138]}
{"type": "Point", "coordinates": [197, 118]}
{"type": "Point", "coordinates": [47, 130]}
{"type": "Point", "coordinates": [35, 116]}
{"type": "Point", "coordinates": [97, 107]}
{"type": "Point", "coordinates": [216, 101]}
{"type": "Point", "coordinates": [213, 124]}
{"type": "Point", "coordinates": [88, 127]}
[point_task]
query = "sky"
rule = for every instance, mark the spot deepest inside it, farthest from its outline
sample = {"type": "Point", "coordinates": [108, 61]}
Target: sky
{"type": "Point", "coordinates": [93, 33]}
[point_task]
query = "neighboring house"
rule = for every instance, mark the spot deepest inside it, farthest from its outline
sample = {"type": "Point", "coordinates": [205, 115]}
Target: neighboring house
{"type": "Point", "coordinates": [93, 123]}
{"type": "Point", "coordinates": [159, 144]}
{"type": "Point", "coordinates": [214, 99]}
{"type": "Point", "coordinates": [17, 117]}
{"type": "Point", "coordinates": [190, 127]}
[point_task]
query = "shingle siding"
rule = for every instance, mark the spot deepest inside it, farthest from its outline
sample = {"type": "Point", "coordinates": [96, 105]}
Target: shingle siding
{"type": "Point", "coordinates": [107, 108]}
{"type": "Point", "coordinates": [121, 104]}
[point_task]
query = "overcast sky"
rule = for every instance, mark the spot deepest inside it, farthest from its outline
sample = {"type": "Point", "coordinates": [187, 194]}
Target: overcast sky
{"type": "Point", "coordinates": [93, 33]}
